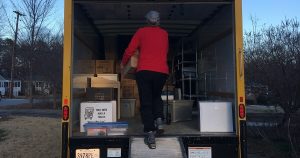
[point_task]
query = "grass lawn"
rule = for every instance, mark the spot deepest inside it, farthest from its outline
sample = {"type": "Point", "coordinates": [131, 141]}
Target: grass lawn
{"type": "Point", "coordinates": [2, 134]}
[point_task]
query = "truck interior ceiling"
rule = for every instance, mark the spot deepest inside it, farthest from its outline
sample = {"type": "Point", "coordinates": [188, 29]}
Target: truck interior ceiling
{"type": "Point", "coordinates": [201, 56]}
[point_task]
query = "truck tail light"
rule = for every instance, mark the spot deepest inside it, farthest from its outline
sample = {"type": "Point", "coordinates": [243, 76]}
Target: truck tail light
{"type": "Point", "coordinates": [242, 111]}
{"type": "Point", "coordinates": [65, 113]}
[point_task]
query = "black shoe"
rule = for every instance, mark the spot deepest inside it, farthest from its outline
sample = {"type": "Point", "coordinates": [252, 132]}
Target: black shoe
{"type": "Point", "coordinates": [150, 140]}
{"type": "Point", "coordinates": [159, 126]}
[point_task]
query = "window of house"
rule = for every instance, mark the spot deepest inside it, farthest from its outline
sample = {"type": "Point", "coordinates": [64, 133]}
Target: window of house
{"type": "Point", "coordinates": [17, 84]}
{"type": "Point", "coordinates": [5, 84]}
{"type": "Point", "coordinates": [38, 84]}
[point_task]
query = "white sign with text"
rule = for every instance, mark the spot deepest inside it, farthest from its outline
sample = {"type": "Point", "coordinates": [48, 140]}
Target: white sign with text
{"type": "Point", "coordinates": [97, 111]}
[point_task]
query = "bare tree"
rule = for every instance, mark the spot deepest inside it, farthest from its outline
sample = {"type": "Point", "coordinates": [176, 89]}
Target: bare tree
{"type": "Point", "coordinates": [37, 12]}
{"type": "Point", "coordinates": [51, 48]}
{"type": "Point", "coordinates": [5, 58]}
{"type": "Point", "coordinates": [272, 58]}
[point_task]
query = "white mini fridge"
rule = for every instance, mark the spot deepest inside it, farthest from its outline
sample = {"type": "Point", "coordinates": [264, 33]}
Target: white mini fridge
{"type": "Point", "coordinates": [215, 116]}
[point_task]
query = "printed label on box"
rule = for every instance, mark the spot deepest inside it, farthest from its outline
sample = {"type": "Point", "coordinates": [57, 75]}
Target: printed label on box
{"type": "Point", "coordinates": [200, 152]}
{"type": "Point", "coordinates": [104, 111]}
{"type": "Point", "coordinates": [113, 152]}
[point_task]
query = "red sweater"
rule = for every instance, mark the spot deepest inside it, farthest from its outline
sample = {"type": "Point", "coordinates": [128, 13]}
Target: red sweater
{"type": "Point", "coordinates": [153, 44]}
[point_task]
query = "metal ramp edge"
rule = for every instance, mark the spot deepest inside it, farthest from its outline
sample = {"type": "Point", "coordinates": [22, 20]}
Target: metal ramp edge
{"type": "Point", "coordinates": [166, 147]}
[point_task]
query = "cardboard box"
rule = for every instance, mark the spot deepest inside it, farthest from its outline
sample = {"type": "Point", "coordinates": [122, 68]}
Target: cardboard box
{"type": "Point", "coordinates": [100, 94]}
{"type": "Point", "coordinates": [84, 67]}
{"type": "Point", "coordinates": [128, 88]}
{"type": "Point", "coordinates": [105, 66]}
{"type": "Point", "coordinates": [102, 82]}
{"type": "Point", "coordinates": [81, 80]}
{"type": "Point", "coordinates": [97, 111]}
{"type": "Point", "coordinates": [125, 81]}
{"type": "Point", "coordinates": [127, 91]}
{"type": "Point", "coordinates": [130, 67]}
{"type": "Point", "coordinates": [113, 77]}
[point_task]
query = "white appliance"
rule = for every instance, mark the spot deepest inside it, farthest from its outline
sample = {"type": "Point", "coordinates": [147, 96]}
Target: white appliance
{"type": "Point", "coordinates": [215, 116]}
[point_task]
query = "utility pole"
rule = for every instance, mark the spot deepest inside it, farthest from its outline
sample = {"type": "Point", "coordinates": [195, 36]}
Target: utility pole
{"type": "Point", "coordinates": [13, 56]}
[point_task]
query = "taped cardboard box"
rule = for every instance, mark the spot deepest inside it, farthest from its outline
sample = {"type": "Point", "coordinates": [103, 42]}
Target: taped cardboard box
{"type": "Point", "coordinates": [105, 66]}
{"type": "Point", "coordinates": [130, 67]}
{"type": "Point", "coordinates": [81, 80]}
{"type": "Point", "coordinates": [84, 66]}
{"type": "Point", "coordinates": [100, 94]}
{"type": "Point", "coordinates": [125, 81]}
{"type": "Point", "coordinates": [128, 87]}
{"type": "Point", "coordinates": [127, 91]}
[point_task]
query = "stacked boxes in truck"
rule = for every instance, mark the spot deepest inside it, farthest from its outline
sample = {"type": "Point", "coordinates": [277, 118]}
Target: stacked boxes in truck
{"type": "Point", "coordinates": [206, 67]}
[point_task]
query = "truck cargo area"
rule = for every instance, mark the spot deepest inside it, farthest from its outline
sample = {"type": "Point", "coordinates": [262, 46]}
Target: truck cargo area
{"type": "Point", "coordinates": [204, 111]}
{"type": "Point", "coordinates": [201, 60]}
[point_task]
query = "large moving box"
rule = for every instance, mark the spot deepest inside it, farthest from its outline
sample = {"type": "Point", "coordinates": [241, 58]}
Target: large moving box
{"type": "Point", "coordinates": [84, 67]}
{"type": "Point", "coordinates": [81, 80]}
{"type": "Point", "coordinates": [94, 66]}
{"type": "Point", "coordinates": [130, 67]}
{"type": "Point", "coordinates": [97, 111]}
{"type": "Point", "coordinates": [105, 66]}
{"type": "Point", "coordinates": [129, 90]}
{"type": "Point", "coordinates": [215, 116]}
{"type": "Point", "coordinates": [100, 94]}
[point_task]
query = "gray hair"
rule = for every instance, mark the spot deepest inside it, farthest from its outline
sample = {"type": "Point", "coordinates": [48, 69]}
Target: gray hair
{"type": "Point", "coordinates": [153, 17]}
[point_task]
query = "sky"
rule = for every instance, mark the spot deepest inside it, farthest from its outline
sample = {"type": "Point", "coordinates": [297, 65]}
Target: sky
{"type": "Point", "coordinates": [54, 22]}
{"type": "Point", "coordinates": [267, 12]}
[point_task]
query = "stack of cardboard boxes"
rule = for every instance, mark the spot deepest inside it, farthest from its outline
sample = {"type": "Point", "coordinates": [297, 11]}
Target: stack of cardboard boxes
{"type": "Point", "coordinates": [130, 93]}
{"type": "Point", "coordinates": [99, 111]}
{"type": "Point", "coordinates": [94, 67]}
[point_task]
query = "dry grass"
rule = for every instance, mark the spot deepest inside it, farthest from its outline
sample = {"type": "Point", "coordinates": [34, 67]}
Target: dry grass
{"type": "Point", "coordinates": [30, 137]}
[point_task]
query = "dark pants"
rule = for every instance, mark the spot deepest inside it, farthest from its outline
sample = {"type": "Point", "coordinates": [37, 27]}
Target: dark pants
{"type": "Point", "coordinates": [150, 85]}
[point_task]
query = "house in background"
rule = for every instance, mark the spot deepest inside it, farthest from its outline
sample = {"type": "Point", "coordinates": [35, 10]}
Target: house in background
{"type": "Point", "coordinates": [40, 86]}
{"type": "Point", "coordinates": [4, 87]}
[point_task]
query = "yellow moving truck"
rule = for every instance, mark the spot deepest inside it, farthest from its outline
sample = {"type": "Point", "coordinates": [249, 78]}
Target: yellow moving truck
{"type": "Point", "coordinates": [206, 79]}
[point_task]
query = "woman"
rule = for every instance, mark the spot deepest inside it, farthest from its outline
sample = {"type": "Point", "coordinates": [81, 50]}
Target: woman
{"type": "Point", "coordinates": [152, 73]}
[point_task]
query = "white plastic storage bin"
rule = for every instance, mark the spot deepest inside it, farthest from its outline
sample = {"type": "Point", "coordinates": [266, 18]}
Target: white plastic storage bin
{"type": "Point", "coordinates": [97, 111]}
{"type": "Point", "coordinates": [127, 108]}
{"type": "Point", "coordinates": [181, 110]}
{"type": "Point", "coordinates": [215, 116]}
